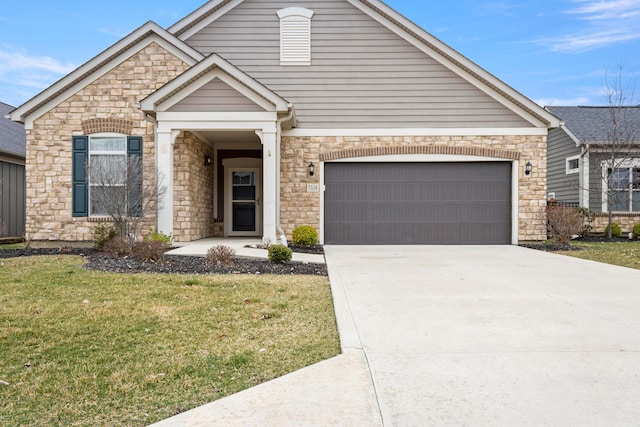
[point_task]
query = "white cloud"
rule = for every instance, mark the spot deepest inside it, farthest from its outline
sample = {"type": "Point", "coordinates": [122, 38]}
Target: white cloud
{"type": "Point", "coordinates": [23, 75]}
{"type": "Point", "coordinates": [603, 23]}
{"type": "Point", "coordinates": [551, 102]}
{"type": "Point", "coordinates": [11, 61]}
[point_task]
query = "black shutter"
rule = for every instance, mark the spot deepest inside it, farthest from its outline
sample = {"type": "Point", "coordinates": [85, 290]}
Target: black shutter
{"type": "Point", "coordinates": [134, 156]}
{"type": "Point", "coordinates": [80, 189]}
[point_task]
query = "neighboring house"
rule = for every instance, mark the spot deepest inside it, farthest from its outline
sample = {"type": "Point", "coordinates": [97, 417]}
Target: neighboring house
{"type": "Point", "coordinates": [12, 175]}
{"type": "Point", "coordinates": [262, 115]}
{"type": "Point", "coordinates": [579, 166]}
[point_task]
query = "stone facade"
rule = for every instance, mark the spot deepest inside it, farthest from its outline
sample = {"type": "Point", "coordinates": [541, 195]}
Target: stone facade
{"type": "Point", "coordinates": [193, 184]}
{"type": "Point", "coordinates": [626, 221]}
{"type": "Point", "coordinates": [109, 101]}
{"type": "Point", "coordinates": [299, 207]}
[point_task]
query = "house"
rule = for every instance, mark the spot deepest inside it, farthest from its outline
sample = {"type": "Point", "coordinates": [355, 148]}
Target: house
{"type": "Point", "coordinates": [595, 151]}
{"type": "Point", "coordinates": [262, 116]}
{"type": "Point", "coordinates": [12, 175]}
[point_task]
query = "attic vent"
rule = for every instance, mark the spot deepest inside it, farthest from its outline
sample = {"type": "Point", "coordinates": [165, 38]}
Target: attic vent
{"type": "Point", "coordinates": [295, 36]}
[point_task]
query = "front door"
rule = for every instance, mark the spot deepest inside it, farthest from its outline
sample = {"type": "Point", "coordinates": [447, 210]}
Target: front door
{"type": "Point", "coordinates": [242, 212]}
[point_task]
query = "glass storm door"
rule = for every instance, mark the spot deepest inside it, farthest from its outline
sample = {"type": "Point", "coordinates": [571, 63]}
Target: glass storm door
{"type": "Point", "coordinates": [245, 202]}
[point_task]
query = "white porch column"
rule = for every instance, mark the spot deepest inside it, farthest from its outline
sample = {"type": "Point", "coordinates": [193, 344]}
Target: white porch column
{"type": "Point", "coordinates": [164, 166]}
{"type": "Point", "coordinates": [269, 186]}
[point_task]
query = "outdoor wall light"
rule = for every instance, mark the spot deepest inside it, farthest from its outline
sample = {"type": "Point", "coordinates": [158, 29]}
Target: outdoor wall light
{"type": "Point", "coordinates": [527, 168]}
{"type": "Point", "coordinates": [312, 169]}
{"type": "Point", "coordinates": [207, 160]}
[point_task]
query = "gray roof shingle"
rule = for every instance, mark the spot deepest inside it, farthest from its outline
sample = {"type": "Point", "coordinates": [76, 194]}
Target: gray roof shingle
{"type": "Point", "coordinates": [12, 135]}
{"type": "Point", "coordinates": [594, 125]}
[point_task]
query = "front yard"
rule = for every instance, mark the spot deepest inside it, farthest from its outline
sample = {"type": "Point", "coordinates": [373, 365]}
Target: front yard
{"type": "Point", "coordinates": [625, 254]}
{"type": "Point", "coordinates": [83, 347]}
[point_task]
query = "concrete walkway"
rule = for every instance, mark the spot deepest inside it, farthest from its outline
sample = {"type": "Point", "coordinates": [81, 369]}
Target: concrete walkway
{"type": "Point", "coordinates": [451, 335]}
{"type": "Point", "coordinates": [244, 247]}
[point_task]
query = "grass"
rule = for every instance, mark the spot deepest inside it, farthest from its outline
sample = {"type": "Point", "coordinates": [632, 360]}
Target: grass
{"type": "Point", "coordinates": [89, 348]}
{"type": "Point", "coordinates": [625, 254]}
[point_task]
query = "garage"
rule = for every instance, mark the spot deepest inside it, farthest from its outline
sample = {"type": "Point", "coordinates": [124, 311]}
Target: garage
{"type": "Point", "coordinates": [417, 203]}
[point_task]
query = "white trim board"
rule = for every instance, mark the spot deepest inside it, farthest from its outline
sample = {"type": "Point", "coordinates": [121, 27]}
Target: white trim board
{"type": "Point", "coordinates": [418, 132]}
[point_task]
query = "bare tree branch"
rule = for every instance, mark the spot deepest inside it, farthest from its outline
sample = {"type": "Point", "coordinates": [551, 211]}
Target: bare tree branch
{"type": "Point", "coordinates": [119, 190]}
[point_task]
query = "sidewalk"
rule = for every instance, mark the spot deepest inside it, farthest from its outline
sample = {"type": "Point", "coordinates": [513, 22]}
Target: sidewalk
{"type": "Point", "coordinates": [242, 247]}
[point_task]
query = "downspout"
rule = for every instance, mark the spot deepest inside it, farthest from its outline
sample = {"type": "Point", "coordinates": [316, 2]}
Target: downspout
{"type": "Point", "coordinates": [583, 181]}
{"type": "Point", "coordinates": [289, 116]}
{"type": "Point", "coordinates": [148, 117]}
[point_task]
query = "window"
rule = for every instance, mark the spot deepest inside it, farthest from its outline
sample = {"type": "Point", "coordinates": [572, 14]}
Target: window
{"type": "Point", "coordinates": [295, 36]}
{"type": "Point", "coordinates": [573, 164]}
{"type": "Point", "coordinates": [624, 183]}
{"type": "Point", "coordinates": [107, 175]}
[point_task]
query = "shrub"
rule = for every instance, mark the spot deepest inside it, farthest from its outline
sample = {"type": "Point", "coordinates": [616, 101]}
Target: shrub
{"type": "Point", "coordinates": [587, 219]}
{"type": "Point", "coordinates": [121, 246]}
{"type": "Point", "coordinates": [615, 229]}
{"type": "Point", "coordinates": [279, 254]}
{"type": "Point", "coordinates": [220, 254]}
{"type": "Point", "coordinates": [563, 222]}
{"type": "Point", "coordinates": [304, 235]}
{"type": "Point", "coordinates": [149, 250]}
{"type": "Point", "coordinates": [159, 236]}
{"type": "Point", "coordinates": [636, 231]}
{"type": "Point", "coordinates": [103, 233]}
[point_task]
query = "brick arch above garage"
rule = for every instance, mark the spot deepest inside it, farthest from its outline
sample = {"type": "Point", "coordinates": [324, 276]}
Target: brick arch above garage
{"type": "Point", "coordinates": [427, 149]}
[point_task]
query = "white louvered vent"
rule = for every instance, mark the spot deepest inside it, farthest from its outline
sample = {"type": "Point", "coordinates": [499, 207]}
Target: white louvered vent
{"type": "Point", "coordinates": [295, 36]}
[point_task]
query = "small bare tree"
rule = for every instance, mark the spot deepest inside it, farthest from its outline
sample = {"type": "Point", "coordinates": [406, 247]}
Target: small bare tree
{"type": "Point", "coordinates": [117, 189]}
{"type": "Point", "coordinates": [622, 138]}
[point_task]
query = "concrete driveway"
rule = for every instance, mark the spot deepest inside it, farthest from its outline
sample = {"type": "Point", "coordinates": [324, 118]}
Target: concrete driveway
{"type": "Point", "coordinates": [455, 335]}
{"type": "Point", "coordinates": [498, 335]}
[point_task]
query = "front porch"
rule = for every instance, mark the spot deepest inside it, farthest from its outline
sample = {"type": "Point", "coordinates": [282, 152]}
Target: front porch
{"type": "Point", "coordinates": [217, 152]}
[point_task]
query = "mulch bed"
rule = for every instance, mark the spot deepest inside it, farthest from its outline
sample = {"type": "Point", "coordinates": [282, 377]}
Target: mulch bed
{"type": "Point", "coordinates": [176, 264]}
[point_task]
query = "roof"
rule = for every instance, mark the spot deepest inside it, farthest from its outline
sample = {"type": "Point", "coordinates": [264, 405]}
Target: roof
{"type": "Point", "coordinates": [13, 139]}
{"type": "Point", "coordinates": [174, 40]}
{"type": "Point", "coordinates": [414, 34]}
{"type": "Point", "coordinates": [100, 65]}
{"type": "Point", "coordinates": [595, 125]}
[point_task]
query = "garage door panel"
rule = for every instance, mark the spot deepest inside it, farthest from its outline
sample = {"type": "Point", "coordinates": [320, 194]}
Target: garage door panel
{"type": "Point", "coordinates": [429, 203]}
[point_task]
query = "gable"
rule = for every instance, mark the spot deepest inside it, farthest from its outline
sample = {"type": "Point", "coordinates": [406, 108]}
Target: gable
{"type": "Point", "coordinates": [99, 66]}
{"type": "Point", "coordinates": [215, 96]}
{"type": "Point", "coordinates": [208, 85]}
{"type": "Point", "coordinates": [367, 70]}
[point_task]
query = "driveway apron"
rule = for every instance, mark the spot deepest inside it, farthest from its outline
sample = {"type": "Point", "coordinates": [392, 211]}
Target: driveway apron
{"type": "Point", "coordinates": [491, 335]}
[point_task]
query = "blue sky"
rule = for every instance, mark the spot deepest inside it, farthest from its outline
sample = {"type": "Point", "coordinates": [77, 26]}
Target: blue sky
{"type": "Point", "coordinates": [553, 51]}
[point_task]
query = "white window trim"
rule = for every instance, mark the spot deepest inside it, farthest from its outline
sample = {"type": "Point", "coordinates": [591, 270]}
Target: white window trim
{"type": "Point", "coordinates": [570, 170]}
{"type": "Point", "coordinates": [98, 152]}
{"type": "Point", "coordinates": [295, 36]}
{"type": "Point", "coordinates": [619, 164]}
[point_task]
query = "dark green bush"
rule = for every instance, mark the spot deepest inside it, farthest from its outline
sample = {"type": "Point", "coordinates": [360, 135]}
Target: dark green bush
{"type": "Point", "coordinates": [636, 231]}
{"type": "Point", "coordinates": [615, 230]}
{"type": "Point", "coordinates": [103, 233]}
{"type": "Point", "coordinates": [587, 219]}
{"type": "Point", "coordinates": [279, 254]}
{"type": "Point", "coordinates": [304, 235]}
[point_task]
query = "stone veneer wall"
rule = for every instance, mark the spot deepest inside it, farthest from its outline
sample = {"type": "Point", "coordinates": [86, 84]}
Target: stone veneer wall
{"type": "Point", "coordinates": [48, 159]}
{"type": "Point", "coordinates": [300, 207]}
{"type": "Point", "coordinates": [626, 221]}
{"type": "Point", "coordinates": [193, 190]}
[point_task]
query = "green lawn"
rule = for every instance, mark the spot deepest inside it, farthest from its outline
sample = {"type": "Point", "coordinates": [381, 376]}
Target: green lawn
{"type": "Point", "coordinates": [625, 254]}
{"type": "Point", "coordinates": [82, 347]}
